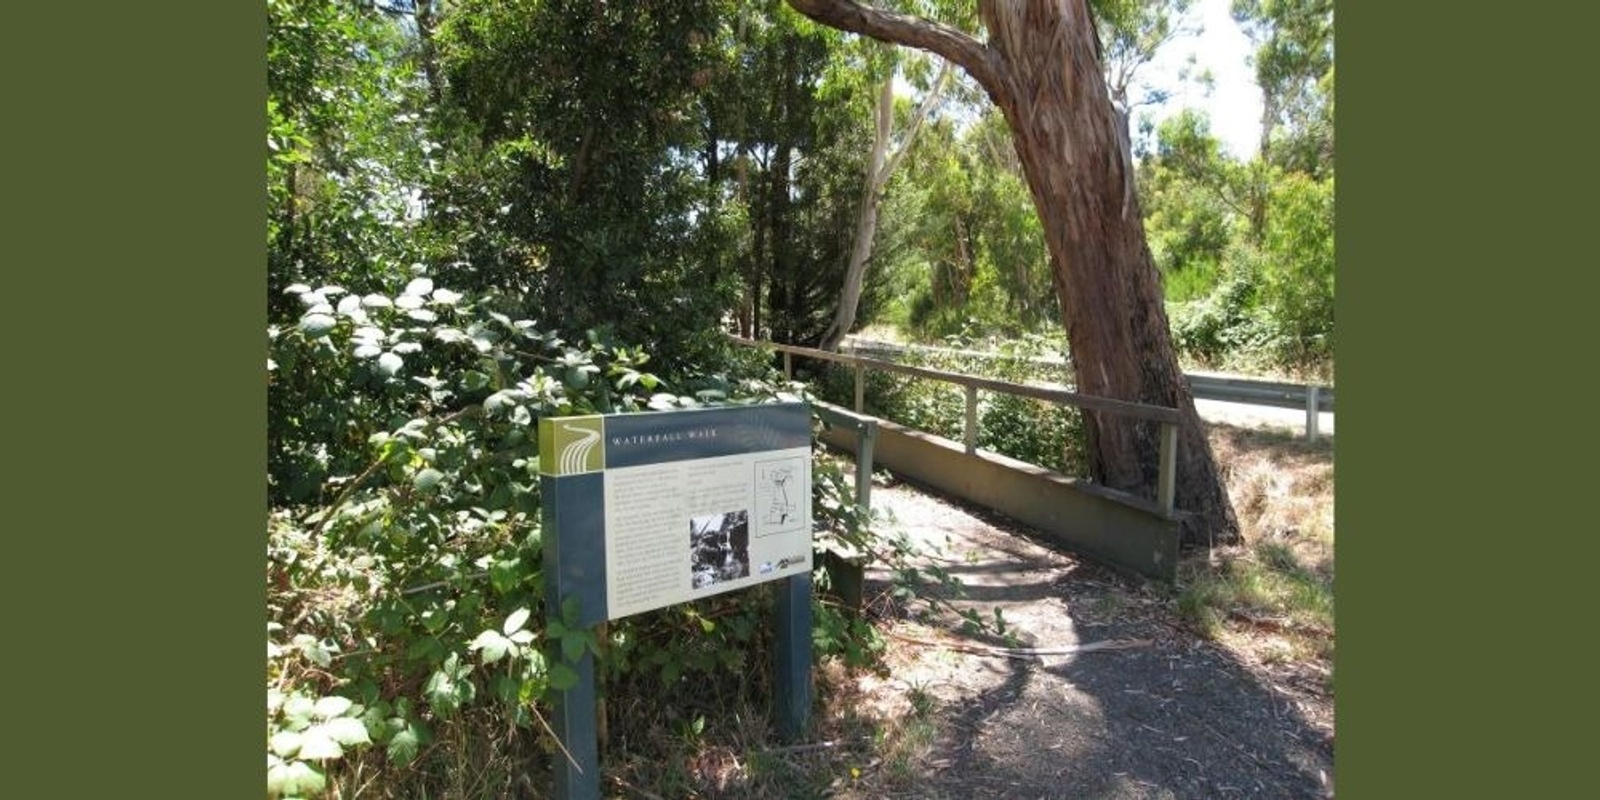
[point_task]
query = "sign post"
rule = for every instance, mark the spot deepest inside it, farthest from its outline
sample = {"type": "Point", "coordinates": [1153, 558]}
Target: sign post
{"type": "Point", "coordinates": [643, 511]}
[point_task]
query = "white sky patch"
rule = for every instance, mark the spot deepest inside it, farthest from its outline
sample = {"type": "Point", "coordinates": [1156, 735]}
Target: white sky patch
{"type": "Point", "coordinates": [1234, 102]}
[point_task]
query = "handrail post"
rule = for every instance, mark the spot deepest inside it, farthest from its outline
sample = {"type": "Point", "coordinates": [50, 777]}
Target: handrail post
{"type": "Point", "coordinates": [1313, 412]}
{"type": "Point", "coordinates": [969, 432]}
{"type": "Point", "coordinates": [861, 387]}
{"type": "Point", "coordinates": [866, 439]}
{"type": "Point", "coordinates": [788, 366]}
{"type": "Point", "coordinates": [1166, 486]}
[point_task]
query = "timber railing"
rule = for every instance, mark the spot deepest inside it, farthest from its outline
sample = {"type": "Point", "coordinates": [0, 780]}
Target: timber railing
{"type": "Point", "coordinates": [1167, 418]}
{"type": "Point", "coordinates": [1313, 398]}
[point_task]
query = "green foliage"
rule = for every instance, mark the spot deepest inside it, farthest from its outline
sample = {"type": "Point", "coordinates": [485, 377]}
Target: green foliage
{"type": "Point", "coordinates": [581, 119]}
{"type": "Point", "coordinates": [1031, 430]}
{"type": "Point", "coordinates": [1298, 295]}
{"type": "Point", "coordinates": [974, 247]}
{"type": "Point", "coordinates": [1245, 250]}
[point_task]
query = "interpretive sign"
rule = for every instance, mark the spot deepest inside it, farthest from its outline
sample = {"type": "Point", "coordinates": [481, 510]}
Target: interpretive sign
{"type": "Point", "coordinates": [667, 507]}
{"type": "Point", "coordinates": [642, 511]}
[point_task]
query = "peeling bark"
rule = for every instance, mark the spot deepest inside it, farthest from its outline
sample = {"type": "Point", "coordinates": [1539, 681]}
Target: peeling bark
{"type": "Point", "coordinates": [1041, 66]}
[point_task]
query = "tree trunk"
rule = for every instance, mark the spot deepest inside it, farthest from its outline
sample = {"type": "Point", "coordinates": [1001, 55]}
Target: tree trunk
{"type": "Point", "coordinates": [855, 273]}
{"type": "Point", "coordinates": [1041, 66]}
{"type": "Point", "coordinates": [880, 167]}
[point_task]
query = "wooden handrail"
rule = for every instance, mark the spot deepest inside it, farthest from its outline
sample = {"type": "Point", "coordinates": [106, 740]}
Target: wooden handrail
{"type": "Point", "coordinates": [1062, 396]}
{"type": "Point", "coordinates": [1169, 418]}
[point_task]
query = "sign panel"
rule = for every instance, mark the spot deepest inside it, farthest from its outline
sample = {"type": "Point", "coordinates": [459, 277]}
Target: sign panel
{"type": "Point", "coordinates": [649, 510]}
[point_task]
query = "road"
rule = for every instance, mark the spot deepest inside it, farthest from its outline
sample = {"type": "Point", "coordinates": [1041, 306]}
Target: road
{"type": "Point", "coordinates": [1251, 416]}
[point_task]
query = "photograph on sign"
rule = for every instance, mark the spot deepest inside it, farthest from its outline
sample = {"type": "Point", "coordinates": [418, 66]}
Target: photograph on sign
{"type": "Point", "coordinates": [720, 547]}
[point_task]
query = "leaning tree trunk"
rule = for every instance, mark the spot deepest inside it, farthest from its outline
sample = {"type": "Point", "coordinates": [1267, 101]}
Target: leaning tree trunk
{"type": "Point", "coordinates": [1041, 66]}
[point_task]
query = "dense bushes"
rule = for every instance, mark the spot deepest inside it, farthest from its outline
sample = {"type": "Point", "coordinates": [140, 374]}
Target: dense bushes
{"type": "Point", "coordinates": [403, 551]}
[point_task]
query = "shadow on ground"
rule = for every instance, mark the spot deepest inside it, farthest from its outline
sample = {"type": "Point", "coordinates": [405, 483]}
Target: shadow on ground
{"type": "Point", "coordinates": [1169, 716]}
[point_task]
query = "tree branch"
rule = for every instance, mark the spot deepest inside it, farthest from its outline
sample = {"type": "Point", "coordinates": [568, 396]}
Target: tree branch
{"type": "Point", "coordinates": [930, 101]}
{"type": "Point", "coordinates": [910, 31]}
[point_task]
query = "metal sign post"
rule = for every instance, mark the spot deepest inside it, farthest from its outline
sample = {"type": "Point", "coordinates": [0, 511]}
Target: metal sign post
{"type": "Point", "coordinates": [643, 511]}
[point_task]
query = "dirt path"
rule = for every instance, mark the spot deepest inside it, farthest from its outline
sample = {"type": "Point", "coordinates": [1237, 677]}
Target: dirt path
{"type": "Point", "coordinates": [1168, 715]}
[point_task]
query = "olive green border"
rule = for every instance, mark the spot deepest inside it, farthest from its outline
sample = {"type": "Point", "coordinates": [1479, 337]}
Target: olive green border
{"type": "Point", "coordinates": [134, 383]}
{"type": "Point", "coordinates": [134, 277]}
{"type": "Point", "coordinates": [1464, 547]}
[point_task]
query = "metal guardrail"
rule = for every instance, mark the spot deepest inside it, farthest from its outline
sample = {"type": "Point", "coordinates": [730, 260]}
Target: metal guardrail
{"type": "Point", "coordinates": [1313, 398]}
{"type": "Point", "coordinates": [1168, 418]}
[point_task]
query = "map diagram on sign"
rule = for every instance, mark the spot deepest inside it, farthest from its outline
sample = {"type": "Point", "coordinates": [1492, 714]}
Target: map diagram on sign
{"type": "Point", "coordinates": [778, 495]}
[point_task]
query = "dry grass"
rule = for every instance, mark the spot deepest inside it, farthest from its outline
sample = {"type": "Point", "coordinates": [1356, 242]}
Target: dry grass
{"type": "Point", "coordinates": [1270, 601]}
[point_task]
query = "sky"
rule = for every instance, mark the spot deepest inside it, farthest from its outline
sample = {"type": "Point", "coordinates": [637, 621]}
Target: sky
{"type": "Point", "coordinates": [1234, 102]}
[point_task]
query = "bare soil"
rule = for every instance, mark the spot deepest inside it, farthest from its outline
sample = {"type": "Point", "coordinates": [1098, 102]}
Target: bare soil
{"type": "Point", "coordinates": [1162, 712]}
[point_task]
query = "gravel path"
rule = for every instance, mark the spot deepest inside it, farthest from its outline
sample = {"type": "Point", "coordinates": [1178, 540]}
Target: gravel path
{"type": "Point", "coordinates": [1166, 715]}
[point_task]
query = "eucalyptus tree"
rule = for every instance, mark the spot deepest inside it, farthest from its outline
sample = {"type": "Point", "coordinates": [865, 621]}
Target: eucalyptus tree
{"type": "Point", "coordinates": [1041, 65]}
{"type": "Point", "coordinates": [1294, 67]}
{"type": "Point", "coordinates": [888, 149]}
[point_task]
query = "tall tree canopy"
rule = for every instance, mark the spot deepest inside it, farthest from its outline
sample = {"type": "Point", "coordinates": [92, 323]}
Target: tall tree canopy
{"type": "Point", "coordinates": [1041, 65]}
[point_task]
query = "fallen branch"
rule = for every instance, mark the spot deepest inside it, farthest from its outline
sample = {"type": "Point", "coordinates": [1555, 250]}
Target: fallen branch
{"type": "Point", "coordinates": [1280, 625]}
{"type": "Point", "coordinates": [802, 748]}
{"type": "Point", "coordinates": [1030, 652]}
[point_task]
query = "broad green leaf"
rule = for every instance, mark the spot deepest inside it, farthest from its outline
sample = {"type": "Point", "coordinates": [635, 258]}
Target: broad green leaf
{"type": "Point", "coordinates": [367, 351]}
{"type": "Point", "coordinates": [408, 347]}
{"type": "Point", "coordinates": [572, 645]}
{"type": "Point", "coordinates": [376, 301]}
{"type": "Point", "coordinates": [284, 743]}
{"type": "Point", "coordinates": [493, 646]}
{"type": "Point", "coordinates": [441, 690]}
{"type": "Point", "coordinates": [297, 288]}
{"type": "Point", "coordinates": [427, 479]}
{"type": "Point", "coordinates": [422, 315]}
{"type": "Point", "coordinates": [522, 637]}
{"type": "Point", "coordinates": [473, 380]}
{"type": "Point", "coordinates": [347, 731]}
{"type": "Point", "coordinates": [314, 650]}
{"type": "Point", "coordinates": [315, 744]}
{"type": "Point", "coordinates": [407, 301]}
{"type": "Point", "coordinates": [517, 620]}
{"type": "Point", "coordinates": [330, 707]}
{"type": "Point", "coordinates": [295, 778]}
{"type": "Point", "coordinates": [562, 677]}
{"type": "Point", "coordinates": [403, 746]}
{"type": "Point", "coordinates": [418, 287]}
{"type": "Point", "coordinates": [446, 297]}
{"type": "Point", "coordinates": [349, 304]}
{"type": "Point", "coordinates": [427, 648]}
{"type": "Point", "coordinates": [496, 650]}
{"type": "Point", "coordinates": [389, 363]}
{"type": "Point", "coordinates": [504, 575]}
{"type": "Point", "coordinates": [298, 707]}
{"type": "Point", "coordinates": [507, 689]}
{"type": "Point", "coordinates": [317, 325]}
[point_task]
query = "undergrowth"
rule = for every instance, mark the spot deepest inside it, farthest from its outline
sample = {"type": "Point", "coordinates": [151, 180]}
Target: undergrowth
{"type": "Point", "coordinates": [1272, 597]}
{"type": "Point", "coordinates": [408, 649]}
